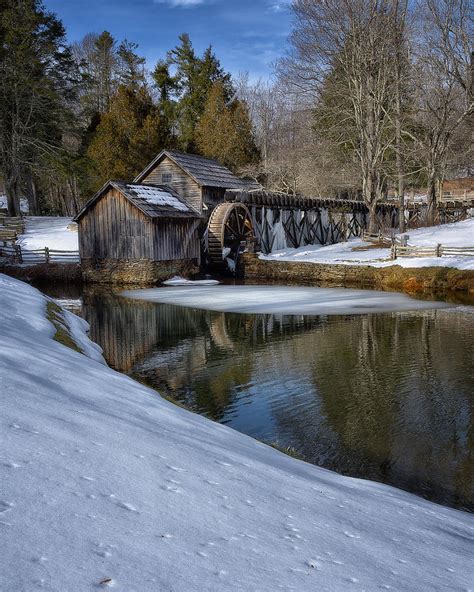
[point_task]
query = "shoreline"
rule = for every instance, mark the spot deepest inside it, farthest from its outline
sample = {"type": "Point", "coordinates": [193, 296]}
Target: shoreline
{"type": "Point", "coordinates": [424, 281]}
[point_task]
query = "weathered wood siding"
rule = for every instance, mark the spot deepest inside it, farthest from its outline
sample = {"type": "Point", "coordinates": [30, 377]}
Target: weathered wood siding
{"type": "Point", "coordinates": [185, 186]}
{"type": "Point", "coordinates": [115, 229]}
{"type": "Point", "coordinates": [212, 196]}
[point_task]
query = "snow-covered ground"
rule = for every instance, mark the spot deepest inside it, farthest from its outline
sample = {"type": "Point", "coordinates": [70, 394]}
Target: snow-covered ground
{"type": "Point", "coordinates": [282, 299]}
{"type": "Point", "coordinates": [101, 479]}
{"type": "Point", "coordinates": [49, 231]}
{"type": "Point", "coordinates": [452, 235]}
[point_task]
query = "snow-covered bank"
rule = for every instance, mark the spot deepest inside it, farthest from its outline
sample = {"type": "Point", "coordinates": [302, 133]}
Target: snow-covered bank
{"type": "Point", "coordinates": [451, 235]}
{"type": "Point", "coordinates": [49, 231]}
{"type": "Point", "coordinates": [283, 299]}
{"type": "Point", "coordinates": [100, 478]}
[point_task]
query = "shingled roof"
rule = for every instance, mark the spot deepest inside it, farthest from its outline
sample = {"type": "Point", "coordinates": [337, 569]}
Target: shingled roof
{"type": "Point", "coordinates": [205, 171]}
{"type": "Point", "coordinates": [155, 201]}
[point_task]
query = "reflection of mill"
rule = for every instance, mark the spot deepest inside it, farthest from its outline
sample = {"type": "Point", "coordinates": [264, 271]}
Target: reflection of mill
{"type": "Point", "coordinates": [127, 330]}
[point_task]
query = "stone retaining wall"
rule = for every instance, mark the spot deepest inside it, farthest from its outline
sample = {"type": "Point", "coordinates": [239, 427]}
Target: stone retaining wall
{"type": "Point", "coordinates": [135, 272]}
{"type": "Point", "coordinates": [413, 280]}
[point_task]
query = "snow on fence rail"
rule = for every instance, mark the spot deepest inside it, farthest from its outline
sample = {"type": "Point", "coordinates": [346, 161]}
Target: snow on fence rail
{"type": "Point", "coordinates": [16, 254]}
{"type": "Point", "coordinates": [436, 251]}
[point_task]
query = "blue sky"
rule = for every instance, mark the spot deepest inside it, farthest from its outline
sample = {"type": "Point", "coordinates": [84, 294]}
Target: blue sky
{"type": "Point", "coordinates": [247, 35]}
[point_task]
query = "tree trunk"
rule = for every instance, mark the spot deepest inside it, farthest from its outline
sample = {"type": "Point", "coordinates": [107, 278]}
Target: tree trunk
{"type": "Point", "coordinates": [432, 200]}
{"type": "Point", "coordinates": [13, 198]}
{"type": "Point", "coordinates": [400, 171]}
{"type": "Point", "coordinates": [33, 204]}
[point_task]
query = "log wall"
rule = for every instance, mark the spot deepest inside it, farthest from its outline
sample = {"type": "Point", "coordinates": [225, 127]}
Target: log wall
{"type": "Point", "coordinates": [181, 182]}
{"type": "Point", "coordinates": [114, 229]}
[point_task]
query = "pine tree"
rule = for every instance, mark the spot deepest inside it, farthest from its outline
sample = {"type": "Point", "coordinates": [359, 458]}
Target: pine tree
{"type": "Point", "coordinates": [166, 86]}
{"type": "Point", "coordinates": [131, 65]}
{"type": "Point", "coordinates": [35, 90]}
{"type": "Point", "coordinates": [192, 83]}
{"type": "Point", "coordinates": [224, 131]}
{"type": "Point", "coordinates": [127, 137]}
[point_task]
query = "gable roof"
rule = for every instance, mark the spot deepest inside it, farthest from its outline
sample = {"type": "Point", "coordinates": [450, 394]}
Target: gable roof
{"type": "Point", "coordinates": [155, 201]}
{"type": "Point", "coordinates": [205, 171]}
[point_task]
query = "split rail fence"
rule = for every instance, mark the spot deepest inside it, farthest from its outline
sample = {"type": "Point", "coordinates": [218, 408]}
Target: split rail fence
{"type": "Point", "coordinates": [400, 248]}
{"type": "Point", "coordinates": [14, 253]}
{"type": "Point", "coordinates": [436, 251]}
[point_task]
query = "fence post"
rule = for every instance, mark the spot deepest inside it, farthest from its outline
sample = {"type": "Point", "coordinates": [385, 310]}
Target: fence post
{"type": "Point", "coordinates": [438, 250]}
{"type": "Point", "coordinates": [394, 251]}
{"type": "Point", "coordinates": [46, 254]}
{"type": "Point", "coordinates": [18, 255]}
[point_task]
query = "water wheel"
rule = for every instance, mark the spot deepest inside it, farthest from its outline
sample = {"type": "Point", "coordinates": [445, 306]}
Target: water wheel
{"type": "Point", "coordinates": [228, 230]}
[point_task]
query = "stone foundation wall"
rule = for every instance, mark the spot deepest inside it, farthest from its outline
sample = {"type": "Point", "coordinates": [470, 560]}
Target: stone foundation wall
{"type": "Point", "coordinates": [135, 272]}
{"type": "Point", "coordinates": [414, 280]}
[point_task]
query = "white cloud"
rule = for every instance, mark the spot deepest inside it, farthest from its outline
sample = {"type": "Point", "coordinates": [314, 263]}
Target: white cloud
{"type": "Point", "coordinates": [181, 3]}
{"type": "Point", "coordinates": [278, 5]}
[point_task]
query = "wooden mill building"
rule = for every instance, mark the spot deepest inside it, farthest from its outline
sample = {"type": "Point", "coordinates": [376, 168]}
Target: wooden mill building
{"type": "Point", "coordinates": [150, 229]}
{"type": "Point", "coordinates": [134, 233]}
{"type": "Point", "coordinates": [201, 182]}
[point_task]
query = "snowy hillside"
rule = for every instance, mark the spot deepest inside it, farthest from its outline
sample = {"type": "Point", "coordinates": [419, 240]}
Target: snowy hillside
{"type": "Point", "coordinates": [104, 481]}
{"type": "Point", "coordinates": [49, 231]}
{"type": "Point", "coordinates": [456, 235]}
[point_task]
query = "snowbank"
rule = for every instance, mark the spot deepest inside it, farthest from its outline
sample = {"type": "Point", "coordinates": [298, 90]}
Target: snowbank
{"type": "Point", "coordinates": [102, 479]}
{"type": "Point", "coordinates": [283, 299]}
{"type": "Point", "coordinates": [49, 231]}
{"type": "Point", "coordinates": [452, 235]}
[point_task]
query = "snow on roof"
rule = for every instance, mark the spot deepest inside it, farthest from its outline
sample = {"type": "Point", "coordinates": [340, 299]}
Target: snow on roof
{"type": "Point", "coordinates": [155, 201]}
{"type": "Point", "coordinates": [158, 196]}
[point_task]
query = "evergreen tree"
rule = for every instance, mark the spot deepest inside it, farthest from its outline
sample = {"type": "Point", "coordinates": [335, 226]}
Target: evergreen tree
{"type": "Point", "coordinates": [224, 131]}
{"type": "Point", "coordinates": [35, 88]}
{"type": "Point", "coordinates": [132, 66]}
{"type": "Point", "coordinates": [166, 86]}
{"type": "Point", "coordinates": [127, 137]}
{"type": "Point", "coordinates": [193, 80]}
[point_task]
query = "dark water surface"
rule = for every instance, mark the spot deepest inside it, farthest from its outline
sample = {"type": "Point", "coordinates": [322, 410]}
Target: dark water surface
{"type": "Point", "coordinates": [386, 396]}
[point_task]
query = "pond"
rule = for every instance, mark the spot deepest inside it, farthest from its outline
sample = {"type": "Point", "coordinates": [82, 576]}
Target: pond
{"type": "Point", "coordinates": [385, 396]}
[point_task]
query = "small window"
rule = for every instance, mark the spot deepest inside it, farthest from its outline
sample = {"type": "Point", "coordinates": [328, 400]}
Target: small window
{"type": "Point", "coordinates": [166, 178]}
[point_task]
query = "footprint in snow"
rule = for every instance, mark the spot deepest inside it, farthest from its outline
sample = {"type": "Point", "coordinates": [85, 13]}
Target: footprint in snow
{"type": "Point", "coordinates": [5, 506]}
{"type": "Point", "coordinates": [127, 506]}
{"type": "Point", "coordinates": [351, 536]}
{"type": "Point", "coordinates": [11, 465]}
{"type": "Point", "coordinates": [177, 469]}
{"type": "Point", "coordinates": [171, 488]}
{"type": "Point", "coordinates": [222, 463]}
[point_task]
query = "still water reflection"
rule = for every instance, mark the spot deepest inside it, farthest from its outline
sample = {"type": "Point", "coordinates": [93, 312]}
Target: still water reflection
{"type": "Point", "coordinates": [388, 396]}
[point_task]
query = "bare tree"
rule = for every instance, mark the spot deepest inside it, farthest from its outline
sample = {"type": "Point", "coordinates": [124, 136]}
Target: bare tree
{"type": "Point", "coordinates": [343, 55]}
{"type": "Point", "coordinates": [443, 91]}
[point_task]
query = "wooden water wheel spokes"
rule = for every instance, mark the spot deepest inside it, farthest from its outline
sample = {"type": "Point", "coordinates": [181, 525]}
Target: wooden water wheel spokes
{"type": "Point", "coordinates": [228, 231]}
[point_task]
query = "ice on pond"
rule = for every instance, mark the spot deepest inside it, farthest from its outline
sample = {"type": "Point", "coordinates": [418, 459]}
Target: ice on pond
{"type": "Point", "coordinates": [283, 299]}
{"type": "Point", "coordinates": [179, 281]}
